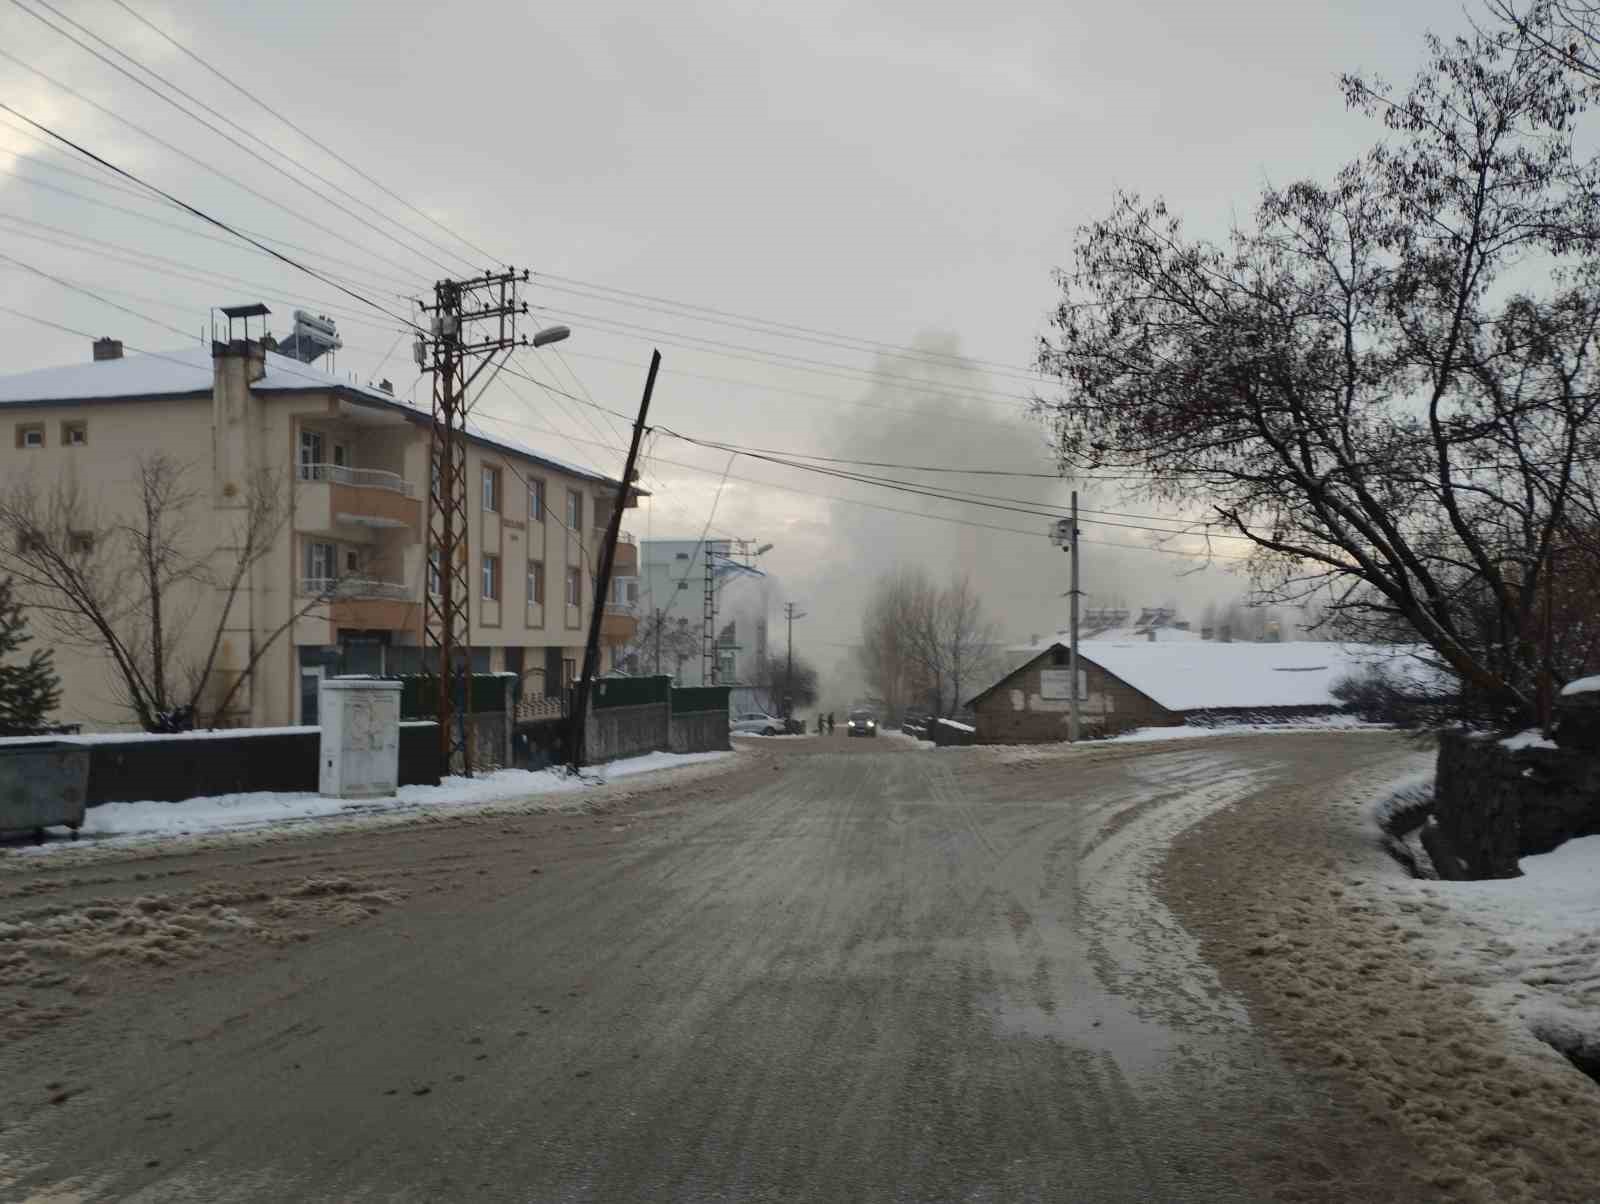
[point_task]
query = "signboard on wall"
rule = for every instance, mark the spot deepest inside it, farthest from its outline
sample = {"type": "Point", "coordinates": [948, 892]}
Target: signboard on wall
{"type": "Point", "coordinates": [1057, 683]}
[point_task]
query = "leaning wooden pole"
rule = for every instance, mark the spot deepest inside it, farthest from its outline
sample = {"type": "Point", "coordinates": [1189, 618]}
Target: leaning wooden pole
{"type": "Point", "coordinates": [602, 583]}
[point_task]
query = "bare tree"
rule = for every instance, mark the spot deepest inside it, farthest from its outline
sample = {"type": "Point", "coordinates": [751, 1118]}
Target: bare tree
{"type": "Point", "coordinates": [774, 684]}
{"type": "Point", "coordinates": [926, 646]}
{"type": "Point", "coordinates": [1386, 383]}
{"type": "Point", "coordinates": [1566, 32]}
{"type": "Point", "coordinates": [660, 644]}
{"type": "Point", "coordinates": [888, 659]}
{"type": "Point", "coordinates": [136, 586]}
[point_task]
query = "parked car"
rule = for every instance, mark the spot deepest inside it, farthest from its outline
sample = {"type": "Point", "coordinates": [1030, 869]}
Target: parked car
{"type": "Point", "coordinates": [861, 723]}
{"type": "Point", "coordinates": [756, 723]}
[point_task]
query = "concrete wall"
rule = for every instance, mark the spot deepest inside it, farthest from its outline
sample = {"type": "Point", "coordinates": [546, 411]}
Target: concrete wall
{"type": "Point", "coordinates": [615, 732]}
{"type": "Point", "coordinates": [705, 731]}
{"type": "Point", "coordinates": [1018, 713]}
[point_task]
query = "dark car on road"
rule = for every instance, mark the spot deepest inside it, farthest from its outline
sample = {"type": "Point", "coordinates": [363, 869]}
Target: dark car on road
{"type": "Point", "coordinates": [861, 723]}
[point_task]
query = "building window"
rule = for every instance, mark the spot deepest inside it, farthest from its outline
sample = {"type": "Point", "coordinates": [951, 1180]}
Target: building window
{"type": "Point", "coordinates": [491, 490]}
{"type": "Point", "coordinates": [319, 564]}
{"type": "Point", "coordinates": [536, 582]}
{"type": "Point", "coordinates": [536, 501]}
{"type": "Point", "coordinates": [341, 455]}
{"type": "Point", "coordinates": [352, 560]}
{"type": "Point", "coordinates": [574, 511]}
{"type": "Point", "coordinates": [74, 434]}
{"type": "Point", "coordinates": [681, 556]}
{"type": "Point", "coordinates": [574, 587]}
{"type": "Point", "coordinates": [569, 672]}
{"type": "Point", "coordinates": [435, 581]}
{"type": "Point", "coordinates": [310, 454]}
{"type": "Point", "coordinates": [491, 577]}
{"type": "Point", "coordinates": [30, 434]}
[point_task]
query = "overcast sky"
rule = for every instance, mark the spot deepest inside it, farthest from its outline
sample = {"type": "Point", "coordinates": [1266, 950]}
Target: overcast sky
{"type": "Point", "coordinates": [905, 173]}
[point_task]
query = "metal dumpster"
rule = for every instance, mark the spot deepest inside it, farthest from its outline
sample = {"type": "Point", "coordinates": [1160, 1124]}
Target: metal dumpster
{"type": "Point", "coordinates": [42, 785]}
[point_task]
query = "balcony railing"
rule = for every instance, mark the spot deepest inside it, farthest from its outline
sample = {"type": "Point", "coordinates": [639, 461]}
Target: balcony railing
{"type": "Point", "coordinates": [630, 609]}
{"type": "Point", "coordinates": [355, 587]}
{"type": "Point", "coordinates": [370, 478]}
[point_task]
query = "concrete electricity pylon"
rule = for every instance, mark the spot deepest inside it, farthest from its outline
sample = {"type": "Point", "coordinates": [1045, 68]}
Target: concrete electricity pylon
{"type": "Point", "coordinates": [472, 320]}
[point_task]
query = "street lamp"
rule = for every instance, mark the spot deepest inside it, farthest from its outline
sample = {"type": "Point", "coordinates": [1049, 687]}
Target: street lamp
{"type": "Point", "coordinates": [551, 334]}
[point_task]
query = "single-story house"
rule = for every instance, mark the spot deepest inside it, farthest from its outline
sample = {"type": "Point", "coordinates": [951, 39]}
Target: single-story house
{"type": "Point", "coordinates": [1147, 683]}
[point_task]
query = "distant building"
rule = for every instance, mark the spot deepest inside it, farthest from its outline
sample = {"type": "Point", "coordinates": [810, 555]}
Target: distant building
{"type": "Point", "coordinates": [672, 580]}
{"type": "Point", "coordinates": [1124, 684]}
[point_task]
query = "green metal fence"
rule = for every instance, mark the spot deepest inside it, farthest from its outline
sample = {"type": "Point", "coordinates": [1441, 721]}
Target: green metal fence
{"type": "Point", "coordinates": [630, 691]}
{"type": "Point", "coordinates": [693, 700]}
{"type": "Point", "coordinates": [419, 697]}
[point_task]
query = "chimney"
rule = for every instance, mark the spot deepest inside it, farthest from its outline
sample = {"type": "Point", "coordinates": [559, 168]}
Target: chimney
{"type": "Point", "coordinates": [107, 349]}
{"type": "Point", "coordinates": [1225, 634]}
{"type": "Point", "coordinates": [387, 386]}
{"type": "Point", "coordinates": [1206, 633]}
{"type": "Point", "coordinates": [1151, 635]}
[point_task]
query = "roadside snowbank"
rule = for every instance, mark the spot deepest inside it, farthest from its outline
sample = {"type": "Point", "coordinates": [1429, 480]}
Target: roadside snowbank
{"type": "Point", "coordinates": [263, 809]}
{"type": "Point", "coordinates": [1412, 994]}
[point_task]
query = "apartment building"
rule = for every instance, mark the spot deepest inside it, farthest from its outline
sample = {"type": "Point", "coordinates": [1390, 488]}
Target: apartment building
{"type": "Point", "coordinates": [672, 580]}
{"type": "Point", "coordinates": [353, 464]}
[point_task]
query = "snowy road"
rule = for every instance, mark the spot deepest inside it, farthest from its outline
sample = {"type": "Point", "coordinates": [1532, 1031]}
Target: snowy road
{"type": "Point", "coordinates": [839, 970]}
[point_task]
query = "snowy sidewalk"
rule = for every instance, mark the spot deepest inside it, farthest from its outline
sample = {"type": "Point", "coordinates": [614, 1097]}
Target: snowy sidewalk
{"type": "Point", "coordinates": [118, 823]}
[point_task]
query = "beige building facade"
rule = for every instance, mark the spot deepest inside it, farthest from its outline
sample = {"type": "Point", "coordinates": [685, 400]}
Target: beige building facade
{"type": "Point", "coordinates": [350, 464]}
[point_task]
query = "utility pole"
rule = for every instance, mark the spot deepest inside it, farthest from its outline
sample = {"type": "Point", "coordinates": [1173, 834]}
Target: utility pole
{"type": "Point", "coordinates": [602, 585]}
{"type": "Point", "coordinates": [659, 619]}
{"type": "Point", "coordinates": [458, 307]}
{"type": "Point", "coordinates": [1073, 729]}
{"type": "Point", "coordinates": [791, 615]}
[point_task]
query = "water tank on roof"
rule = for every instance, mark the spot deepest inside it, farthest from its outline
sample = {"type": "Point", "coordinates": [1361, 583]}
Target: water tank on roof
{"type": "Point", "coordinates": [314, 335]}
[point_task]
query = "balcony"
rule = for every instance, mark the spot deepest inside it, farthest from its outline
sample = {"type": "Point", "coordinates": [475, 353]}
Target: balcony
{"type": "Point", "coordinates": [333, 495]}
{"type": "Point", "coordinates": [367, 478]}
{"type": "Point", "coordinates": [367, 603]}
{"type": "Point", "coordinates": [619, 622]}
{"type": "Point", "coordinates": [626, 562]}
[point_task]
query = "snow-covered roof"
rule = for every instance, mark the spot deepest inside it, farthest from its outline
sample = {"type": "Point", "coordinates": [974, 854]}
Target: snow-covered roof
{"type": "Point", "coordinates": [1206, 674]}
{"type": "Point", "coordinates": [188, 372]}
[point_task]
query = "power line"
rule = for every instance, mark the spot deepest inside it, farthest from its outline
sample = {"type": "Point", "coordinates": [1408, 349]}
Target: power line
{"type": "Point", "coordinates": [830, 398]}
{"type": "Point", "coordinates": [180, 270]}
{"type": "Point", "coordinates": [797, 363]}
{"type": "Point", "coordinates": [206, 217]}
{"type": "Point", "coordinates": [235, 142]}
{"type": "Point", "coordinates": [277, 115]}
{"type": "Point", "coordinates": [78, 288]}
{"type": "Point", "coordinates": [179, 151]}
{"type": "Point", "coordinates": [942, 518]}
{"type": "Point", "coordinates": [186, 231]}
{"type": "Point", "coordinates": [832, 338]}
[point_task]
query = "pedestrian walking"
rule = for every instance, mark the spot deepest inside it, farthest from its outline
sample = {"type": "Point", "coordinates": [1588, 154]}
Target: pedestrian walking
{"type": "Point", "coordinates": [830, 723]}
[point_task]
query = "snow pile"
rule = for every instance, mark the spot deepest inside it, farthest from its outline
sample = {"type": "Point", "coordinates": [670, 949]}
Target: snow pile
{"type": "Point", "coordinates": [263, 809]}
{"type": "Point", "coordinates": [1532, 738]}
{"type": "Point", "coordinates": [1584, 685]}
{"type": "Point", "coordinates": [1527, 947]}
